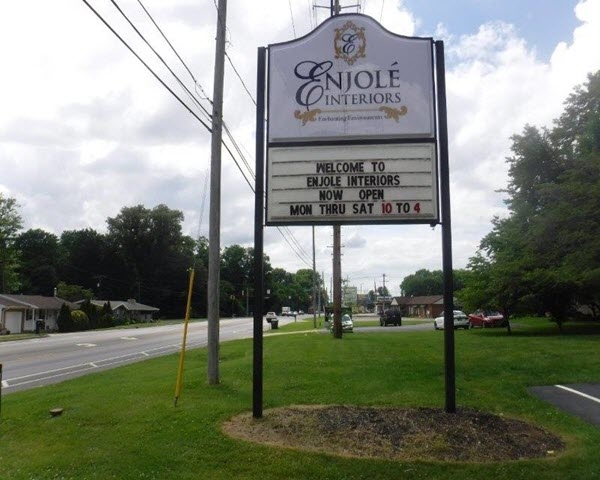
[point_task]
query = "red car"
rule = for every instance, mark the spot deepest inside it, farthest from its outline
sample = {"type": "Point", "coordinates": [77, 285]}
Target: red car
{"type": "Point", "coordinates": [486, 318]}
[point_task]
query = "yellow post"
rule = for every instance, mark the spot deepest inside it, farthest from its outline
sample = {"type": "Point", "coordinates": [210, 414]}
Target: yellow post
{"type": "Point", "coordinates": [185, 328]}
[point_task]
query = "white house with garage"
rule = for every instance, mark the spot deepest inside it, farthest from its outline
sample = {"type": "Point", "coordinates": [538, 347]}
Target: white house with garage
{"type": "Point", "coordinates": [28, 313]}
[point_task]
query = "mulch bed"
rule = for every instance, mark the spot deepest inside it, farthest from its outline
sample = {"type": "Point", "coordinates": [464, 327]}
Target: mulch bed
{"type": "Point", "coordinates": [398, 433]}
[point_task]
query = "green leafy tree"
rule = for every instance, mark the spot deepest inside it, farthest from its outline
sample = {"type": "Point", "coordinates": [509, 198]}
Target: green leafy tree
{"type": "Point", "coordinates": [10, 224]}
{"type": "Point", "coordinates": [73, 293]}
{"type": "Point", "coordinates": [155, 255]}
{"type": "Point", "coordinates": [106, 319]}
{"type": "Point", "coordinates": [64, 320]}
{"type": "Point", "coordinates": [423, 282]}
{"type": "Point", "coordinates": [92, 313]}
{"type": "Point", "coordinates": [88, 261]}
{"type": "Point", "coordinates": [40, 257]}
{"type": "Point", "coordinates": [544, 257]}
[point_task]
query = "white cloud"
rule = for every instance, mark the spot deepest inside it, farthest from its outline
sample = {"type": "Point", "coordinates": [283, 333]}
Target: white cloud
{"type": "Point", "coordinates": [85, 130]}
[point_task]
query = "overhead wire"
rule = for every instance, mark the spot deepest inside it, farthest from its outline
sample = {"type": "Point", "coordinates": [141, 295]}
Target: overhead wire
{"type": "Point", "coordinates": [240, 78]}
{"type": "Point", "coordinates": [196, 83]}
{"type": "Point", "coordinates": [292, 15]}
{"type": "Point", "coordinates": [294, 244]}
{"type": "Point", "coordinates": [154, 74]}
{"type": "Point", "coordinates": [177, 79]}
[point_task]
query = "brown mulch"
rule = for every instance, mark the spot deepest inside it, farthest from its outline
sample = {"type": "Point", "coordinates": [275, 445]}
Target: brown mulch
{"type": "Point", "coordinates": [397, 433]}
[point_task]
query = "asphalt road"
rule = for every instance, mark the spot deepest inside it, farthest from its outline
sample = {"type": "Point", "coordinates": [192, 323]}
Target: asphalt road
{"type": "Point", "coordinates": [57, 357]}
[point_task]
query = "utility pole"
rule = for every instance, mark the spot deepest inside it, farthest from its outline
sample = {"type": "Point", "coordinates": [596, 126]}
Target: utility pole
{"type": "Point", "coordinates": [337, 254]}
{"type": "Point", "coordinates": [383, 296]}
{"type": "Point", "coordinates": [337, 282]}
{"type": "Point", "coordinates": [214, 236]}
{"type": "Point", "coordinates": [314, 295]}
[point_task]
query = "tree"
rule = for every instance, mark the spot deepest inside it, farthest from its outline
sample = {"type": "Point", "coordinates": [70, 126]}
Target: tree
{"type": "Point", "coordinates": [40, 256]}
{"type": "Point", "coordinates": [155, 255]}
{"type": "Point", "coordinates": [87, 261]}
{"type": "Point", "coordinates": [64, 320]}
{"type": "Point", "coordinates": [423, 282]}
{"type": "Point", "coordinates": [10, 224]}
{"type": "Point", "coordinates": [73, 293]}
{"type": "Point", "coordinates": [545, 256]}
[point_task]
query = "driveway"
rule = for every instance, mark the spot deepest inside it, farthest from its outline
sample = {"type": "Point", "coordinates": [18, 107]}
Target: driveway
{"type": "Point", "coordinates": [582, 400]}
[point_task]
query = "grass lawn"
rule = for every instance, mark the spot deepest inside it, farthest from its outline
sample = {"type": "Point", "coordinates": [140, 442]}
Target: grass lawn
{"type": "Point", "coordinates": [122, 424]}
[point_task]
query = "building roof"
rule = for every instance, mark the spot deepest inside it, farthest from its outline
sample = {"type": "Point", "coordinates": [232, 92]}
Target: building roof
{"type": "Point", "coordinates": [426, 300]}
{"type": "Point", "coordinates": [129, 304]}
{"type": "Point", "coordinates": [32, 301]}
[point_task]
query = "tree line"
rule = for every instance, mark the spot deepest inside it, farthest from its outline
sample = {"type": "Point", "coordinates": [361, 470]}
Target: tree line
{"type": "Point", "coordinates": [543, 257]}
{"type": "Point", "coordinates": [143, 255]}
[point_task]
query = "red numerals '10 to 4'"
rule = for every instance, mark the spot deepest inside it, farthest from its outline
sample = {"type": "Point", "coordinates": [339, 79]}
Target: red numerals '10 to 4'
{"type": "Point", "coordinates": [400, 207]}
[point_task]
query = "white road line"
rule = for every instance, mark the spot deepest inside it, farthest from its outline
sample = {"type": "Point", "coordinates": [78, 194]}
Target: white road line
{"type": "Point", "coordinates": [72, 369]}
{"type": "Point", "coordinates": [577, 392]}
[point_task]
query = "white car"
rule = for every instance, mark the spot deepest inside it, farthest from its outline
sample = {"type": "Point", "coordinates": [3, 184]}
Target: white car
{"type": "Point", "coordinates": [460, 321]}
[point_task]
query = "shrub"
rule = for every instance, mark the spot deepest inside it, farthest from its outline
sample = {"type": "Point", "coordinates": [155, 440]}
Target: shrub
{"type": "Point", "coordinates": [64, 321]}
{"type": "Point", "coordinates": [80, 320]}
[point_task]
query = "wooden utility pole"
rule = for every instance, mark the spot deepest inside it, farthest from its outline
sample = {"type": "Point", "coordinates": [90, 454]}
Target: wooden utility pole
{"type": "Point", "coordinates": [314, 295]}
{"type": "Point", "coordinates": [214, 235]}
{"type": "Point", "coordinates": [337, 247]}
{"type": "Point", "coordinates": [337, 282]}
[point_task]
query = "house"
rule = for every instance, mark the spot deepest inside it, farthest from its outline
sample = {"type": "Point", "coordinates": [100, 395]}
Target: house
{"type": "Point", "coordinates": [126, 310]}
{"type": "Point", "coordinates": [427, 306]}
{"type": "Point", "coordinates": [28, 313]}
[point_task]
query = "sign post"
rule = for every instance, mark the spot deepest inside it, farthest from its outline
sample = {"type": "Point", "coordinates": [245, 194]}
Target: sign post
{"type": "Point", "coordinates": [352, 136]}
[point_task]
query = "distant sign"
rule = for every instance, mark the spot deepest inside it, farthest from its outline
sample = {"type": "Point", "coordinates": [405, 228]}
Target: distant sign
{"type": "Point", "coordinates": [351, 79]}
{"type": "Point", "coordinates": [350, 296]}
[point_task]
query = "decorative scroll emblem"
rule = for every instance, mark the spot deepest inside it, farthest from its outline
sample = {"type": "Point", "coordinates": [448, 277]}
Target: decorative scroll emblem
{"type": "Point", "coordinates": [350, 42]}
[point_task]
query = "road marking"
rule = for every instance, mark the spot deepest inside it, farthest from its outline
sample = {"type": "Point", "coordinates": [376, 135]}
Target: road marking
{"type": "Point", "coordinates": [577, 392]}
{"type": "Point", "coordinates": [4, 383]}
{"type": "Point", "coordinates": [86, 345]}
{"type": "Point", "coordinates": [128, 338]}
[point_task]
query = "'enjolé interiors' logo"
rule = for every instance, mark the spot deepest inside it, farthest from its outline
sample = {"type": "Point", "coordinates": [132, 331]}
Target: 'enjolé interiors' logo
{"type": "Point", "coordinates": [350, 42]}
{"type": "Point", "coordinates": [349, 94]}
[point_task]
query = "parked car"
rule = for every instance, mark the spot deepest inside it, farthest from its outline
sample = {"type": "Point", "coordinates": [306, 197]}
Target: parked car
{"type": "Point", "coordinates": [460, 321]}
{"type": "Point", "coordinates": [270, 316]}
{"type": "Point", "coordinates": [487, 318]}
{"type": "Point", "coordinates": [347, 323]}
{"type": "Point", "coordinates": [391, 316]}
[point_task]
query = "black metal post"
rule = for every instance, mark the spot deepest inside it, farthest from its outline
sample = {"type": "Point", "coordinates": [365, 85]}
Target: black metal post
{"type": "Point", "coordinates": [449, 354]}
{"type": "Point", "coordinates": [259, 294]}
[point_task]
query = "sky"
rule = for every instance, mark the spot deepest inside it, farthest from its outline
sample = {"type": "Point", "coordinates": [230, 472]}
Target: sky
{"type": "Point", "coordinates": [86, 130]}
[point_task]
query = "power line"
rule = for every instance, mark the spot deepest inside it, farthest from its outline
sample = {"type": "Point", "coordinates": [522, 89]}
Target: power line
{"type": "Point", "coordinates": [240, 77]}
{"type": "Point", "coordinates": [154, 74]}
{"type": "Point", "coordinates": [292, 15]}
{"type": "Point", "coordinates": [298, 250]}
{"type": "Point", "coordinates": [174, 51]}
{"type": "Point", "coordinates": [207, 114]}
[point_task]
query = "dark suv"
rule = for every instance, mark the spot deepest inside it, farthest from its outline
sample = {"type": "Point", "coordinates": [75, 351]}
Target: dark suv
{"type": "Point", "coordinates": [392, 316]}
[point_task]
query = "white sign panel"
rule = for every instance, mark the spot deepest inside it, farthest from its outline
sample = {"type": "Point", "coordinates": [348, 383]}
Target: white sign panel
{"type": "Point", "coordinates": [352, 184]}
{"type": "Point", "coordinates": [351, 79]}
